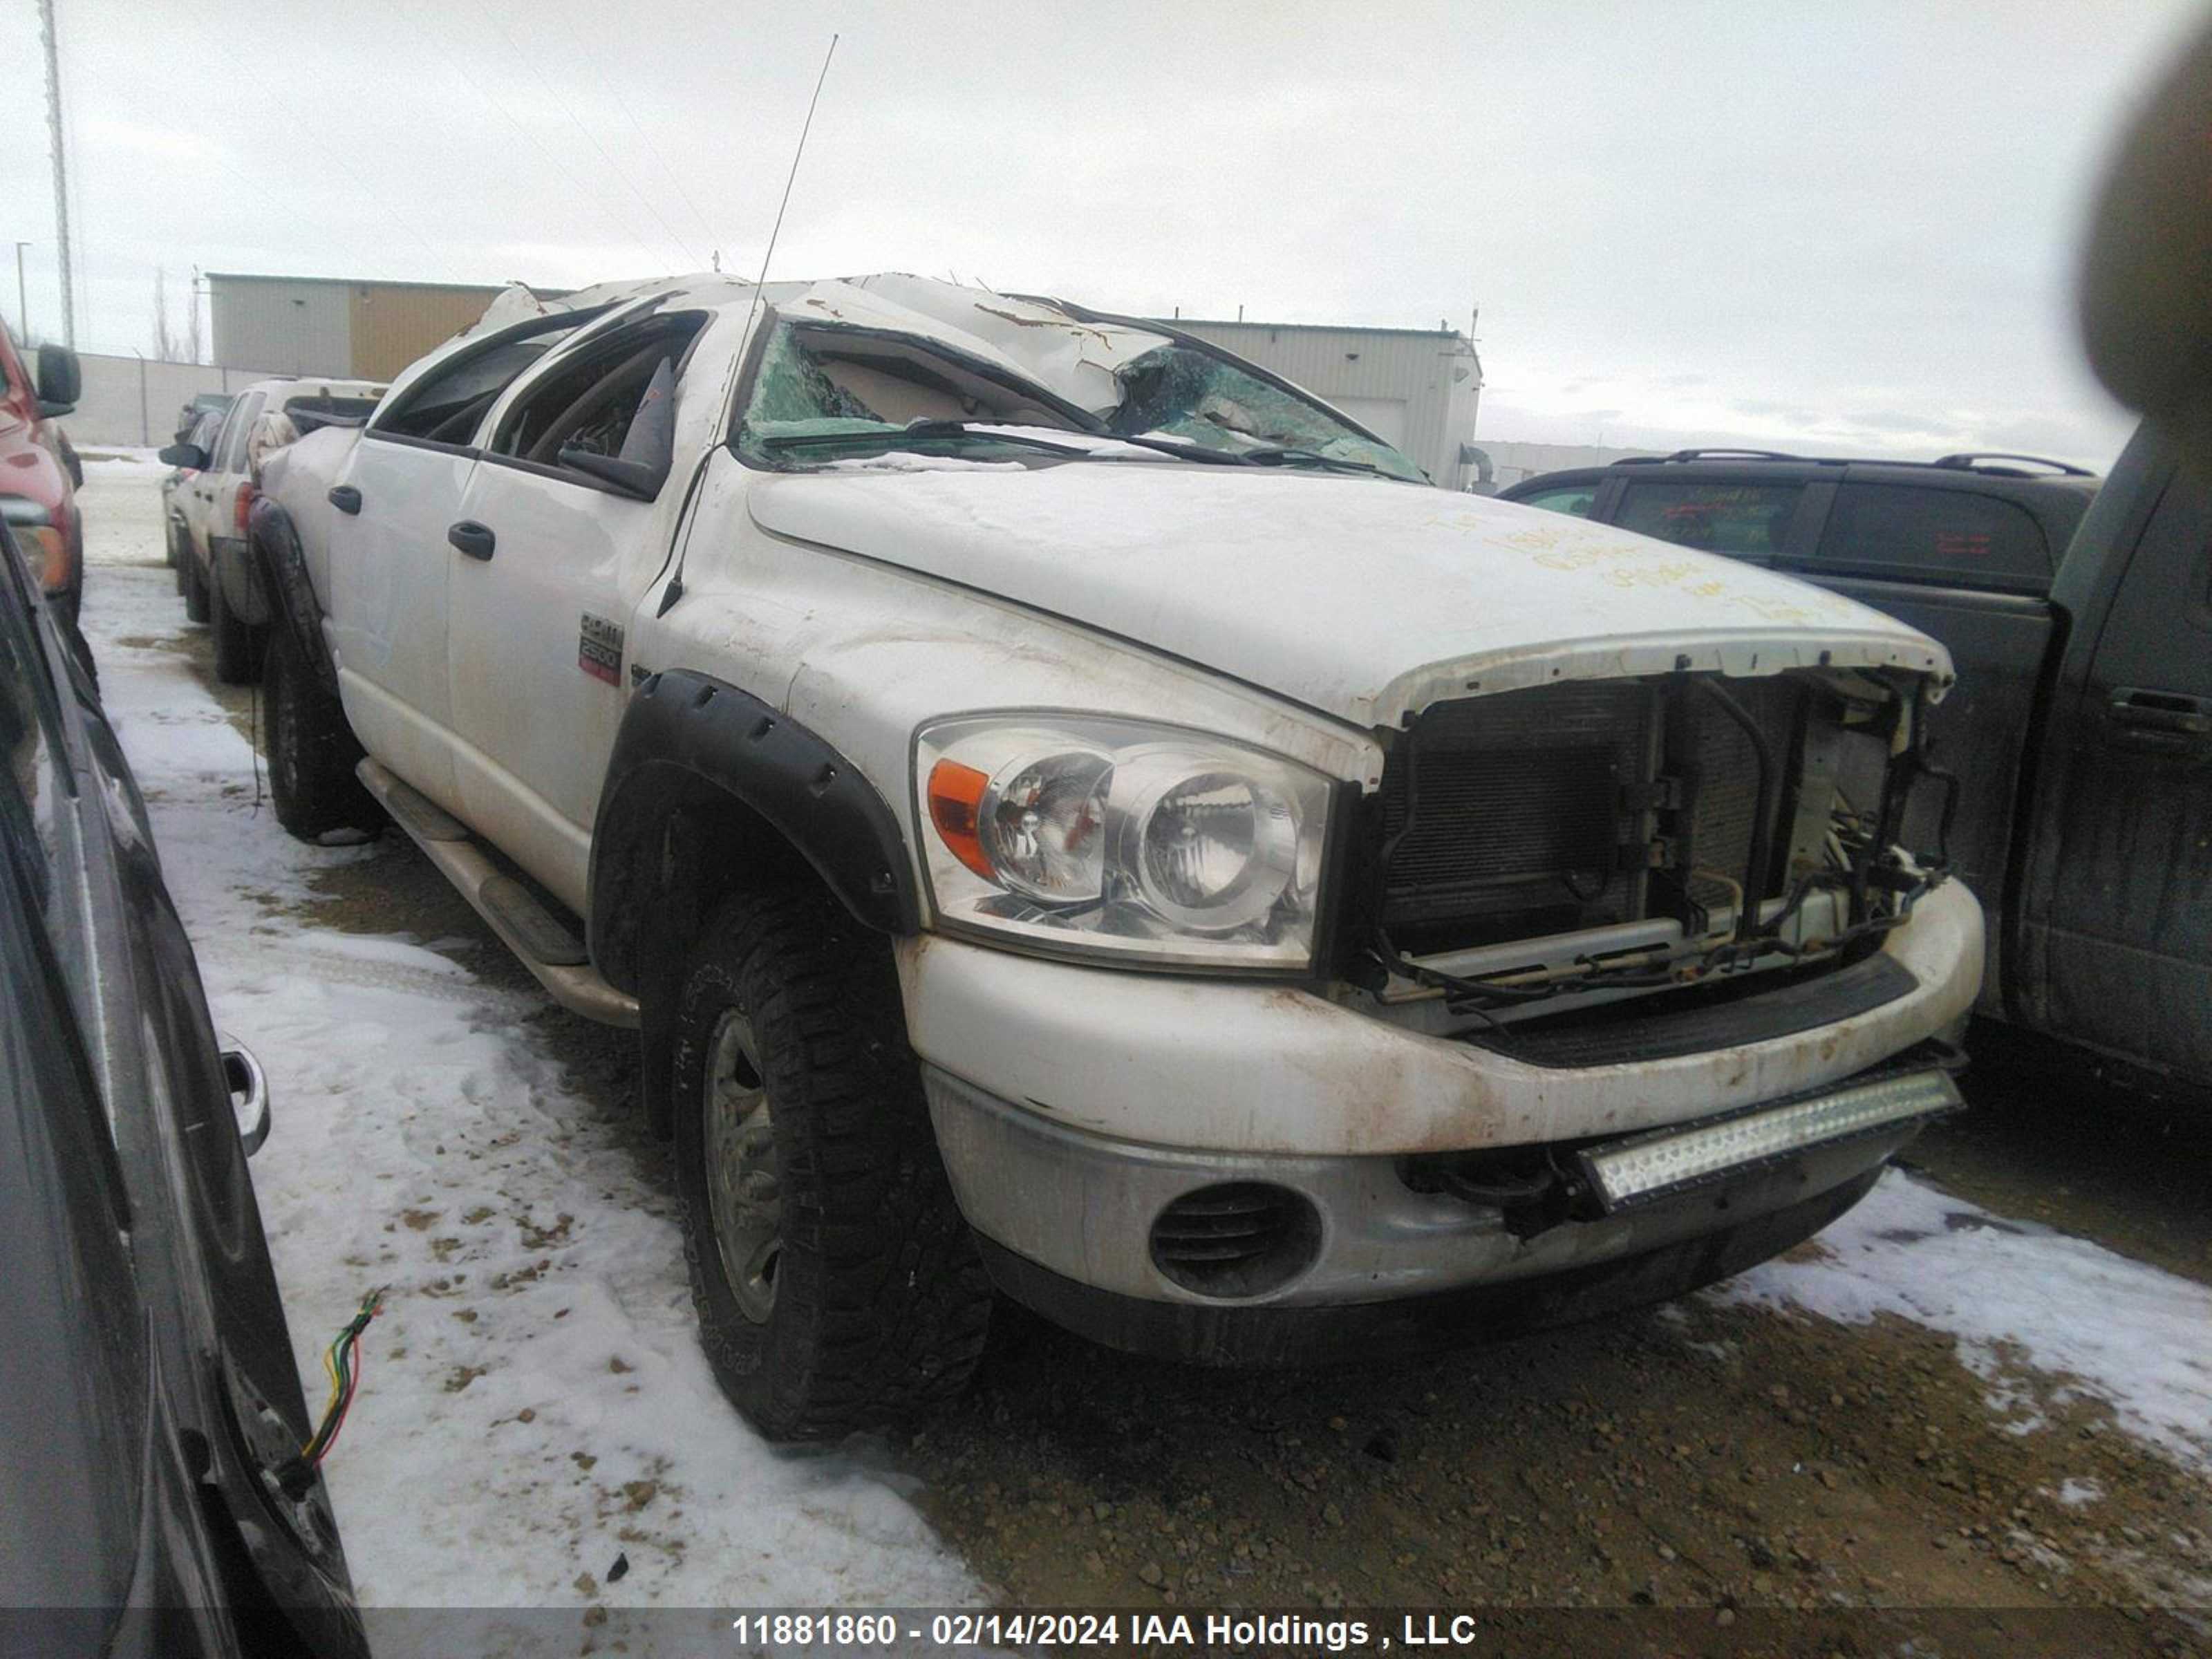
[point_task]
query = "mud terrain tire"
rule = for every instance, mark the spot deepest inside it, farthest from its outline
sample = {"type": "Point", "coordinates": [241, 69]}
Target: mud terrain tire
{"type": "Point", "coordinates": [312, 751]}
{"type": "Point", "coordinates": [879, 1304]}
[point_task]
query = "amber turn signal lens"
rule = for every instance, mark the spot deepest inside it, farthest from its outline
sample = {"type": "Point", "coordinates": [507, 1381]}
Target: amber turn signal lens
{"type": "Point", "coordinates": [956, 799]}
{"type": "Point", "coordinates": [50, 551]}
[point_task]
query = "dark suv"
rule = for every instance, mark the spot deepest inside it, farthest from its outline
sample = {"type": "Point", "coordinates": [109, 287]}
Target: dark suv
{"type": "Point", "coordinates": [1987, 522]}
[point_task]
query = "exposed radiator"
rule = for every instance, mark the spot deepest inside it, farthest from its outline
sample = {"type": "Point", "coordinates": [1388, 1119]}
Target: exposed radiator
{"type": "Point", "coordinates": [1721, 770]}
{"type": "Point", "coordinates": [1537, 812]}
{"type": "Point", "coordinates": [1515, 808]}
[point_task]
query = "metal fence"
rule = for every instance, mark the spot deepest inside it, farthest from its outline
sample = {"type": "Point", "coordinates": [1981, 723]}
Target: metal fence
{"type": "Point", "coordinates": [133, 401]}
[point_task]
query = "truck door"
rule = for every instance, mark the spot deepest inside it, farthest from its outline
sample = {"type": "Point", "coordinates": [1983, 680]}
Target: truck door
{"type": "Point", "coordinates": [541, 599]}
{"type": "Point", "coordinates": [387, 580]}
{"type": "Point", "coordinates": [2119, 892]}
{"type": "Point", "coordinates": [390, 554]}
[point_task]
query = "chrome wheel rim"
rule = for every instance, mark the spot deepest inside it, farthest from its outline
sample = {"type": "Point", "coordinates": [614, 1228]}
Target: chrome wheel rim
{"type": "Point", "coordinates": [742, 1188]}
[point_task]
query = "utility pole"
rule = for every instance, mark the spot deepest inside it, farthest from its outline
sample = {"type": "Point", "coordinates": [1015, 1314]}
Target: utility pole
{"type": "Point", "coordinates": [22, 300]}
{"type": "Point", "coordinates": [61, 168]}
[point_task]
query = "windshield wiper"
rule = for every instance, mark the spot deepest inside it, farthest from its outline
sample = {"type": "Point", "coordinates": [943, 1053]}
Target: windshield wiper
{"type": "Point", "coordinates": [896, 437]}
{"type": "Point", "coordinates": [1189, 449]}
{"type": "Point", "coordinates": [1280, 456]}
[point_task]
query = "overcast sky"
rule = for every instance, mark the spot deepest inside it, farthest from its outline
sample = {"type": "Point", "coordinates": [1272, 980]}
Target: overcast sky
{"type": "Point", "coordinates": [1843, 226]}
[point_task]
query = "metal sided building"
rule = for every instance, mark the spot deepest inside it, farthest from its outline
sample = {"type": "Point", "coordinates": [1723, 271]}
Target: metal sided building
{"type": "Point", "coordinates": [333, 325]}
{"type": "Point", "coordinates": [1416, 388]}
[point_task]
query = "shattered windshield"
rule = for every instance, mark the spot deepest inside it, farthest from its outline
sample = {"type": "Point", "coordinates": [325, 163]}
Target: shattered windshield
{"type": "Point", "coordinates": [1179, 391]}
{"type": "Point", "coordinates": [821, 392]}
{"type": "Point", "coordinates": [825, 394]}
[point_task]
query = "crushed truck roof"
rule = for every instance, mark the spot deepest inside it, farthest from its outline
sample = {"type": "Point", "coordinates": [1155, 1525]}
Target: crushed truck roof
{"type": "Point", "coordinates": [1037, 340]}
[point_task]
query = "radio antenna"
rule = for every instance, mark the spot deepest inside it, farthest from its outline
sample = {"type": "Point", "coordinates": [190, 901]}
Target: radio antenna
{"type": "Point", "coordinates": [674, 591]}
{"type": "Point", "coordinates": [790, 178]}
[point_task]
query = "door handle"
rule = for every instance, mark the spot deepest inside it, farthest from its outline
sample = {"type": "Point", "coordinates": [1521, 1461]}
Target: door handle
{"type": "Point", "coordinates": [249, 1092]}
{"type": "Point", "coordinates": [2160, 722]}
{"type": "Point", "coordinates": [472, 538]}
{"type": "Point", "coordinates": [345, 498]}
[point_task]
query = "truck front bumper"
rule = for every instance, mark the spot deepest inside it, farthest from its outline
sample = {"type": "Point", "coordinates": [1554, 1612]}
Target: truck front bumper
{"type": "Point", "coordinates": [1074, 1106]}
{"type": "Point", "coordinates": [1103, 1236]}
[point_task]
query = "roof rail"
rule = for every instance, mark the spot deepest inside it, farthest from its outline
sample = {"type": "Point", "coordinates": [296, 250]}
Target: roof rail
{"type": "Point", "coordinates": [1707, 455]}
{"type": "Point", "coordinates": [1969, 461]}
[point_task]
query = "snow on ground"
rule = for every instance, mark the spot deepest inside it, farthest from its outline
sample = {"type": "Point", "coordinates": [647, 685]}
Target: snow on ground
{"type": "Point", "coordinates": [2015, 1295]}
{"type": "Point", "coordinates": [121, 463]}
{"type": "Point", "coordinates": [534, 1401]}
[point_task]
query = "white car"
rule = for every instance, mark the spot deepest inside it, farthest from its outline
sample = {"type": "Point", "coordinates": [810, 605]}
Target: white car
{"type": "Point", "coordinates": [181, 499]}
{"type": "Point", "coordinates": [1069, 813]}
{"type": "Point", "coordinates": [219, 581]}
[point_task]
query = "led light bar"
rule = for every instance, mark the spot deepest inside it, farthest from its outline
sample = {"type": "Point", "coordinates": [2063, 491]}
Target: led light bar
{"type": "Point", "coordinates": [1651, 1166]}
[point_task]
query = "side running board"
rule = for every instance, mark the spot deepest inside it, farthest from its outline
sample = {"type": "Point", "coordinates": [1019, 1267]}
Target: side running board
{"type": "Point", "coordinates": [544, 942]}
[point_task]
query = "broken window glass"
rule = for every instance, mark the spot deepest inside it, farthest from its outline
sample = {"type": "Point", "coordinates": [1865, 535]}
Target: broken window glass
{"type": "Point", "coordinates": [793, 393]}
{"type": "Point", "coordinates": [1177, 392]}
{"type": "Point", "coordinates": [818, 387]}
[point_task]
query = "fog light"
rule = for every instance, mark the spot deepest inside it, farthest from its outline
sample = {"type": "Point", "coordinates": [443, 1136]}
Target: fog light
{"type": "Point", "coordinates": [1241, 1238]}
{"type": "Point", "coordinates": [1651, 1166]}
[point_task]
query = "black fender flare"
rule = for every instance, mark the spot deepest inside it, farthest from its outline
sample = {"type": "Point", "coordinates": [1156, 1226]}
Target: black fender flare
{"type": "Point", "coordinates": [688, 738]}
{"type": "Point", "coordinates": [275, 542]}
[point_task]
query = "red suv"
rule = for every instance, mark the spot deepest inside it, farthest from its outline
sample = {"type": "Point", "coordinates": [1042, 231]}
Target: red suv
{"type": "Point", "coordinates": [37, 470]}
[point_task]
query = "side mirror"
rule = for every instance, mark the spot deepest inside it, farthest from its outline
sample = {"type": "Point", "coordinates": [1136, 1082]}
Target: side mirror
{"type": "Point", "coordinates": [631, 478]}
{"type": "Point", "coordinates": [191, 457]}
{"type": "Point", "coordinates": [60, 379]}
{"type": "Point", "coordinates": [648, 447]}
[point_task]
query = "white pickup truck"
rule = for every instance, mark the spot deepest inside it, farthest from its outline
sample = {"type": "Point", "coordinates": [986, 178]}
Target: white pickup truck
{"type": "Point", "coordinates": [1072, 816]}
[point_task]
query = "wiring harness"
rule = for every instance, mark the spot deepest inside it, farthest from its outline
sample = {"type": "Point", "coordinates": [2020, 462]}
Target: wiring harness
{"type": "Point", "coordinates": [341, 1365]}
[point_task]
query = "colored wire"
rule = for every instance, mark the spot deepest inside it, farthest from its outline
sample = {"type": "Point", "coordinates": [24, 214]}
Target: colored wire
{"type": "Point", "coordinates": [340, 1365]}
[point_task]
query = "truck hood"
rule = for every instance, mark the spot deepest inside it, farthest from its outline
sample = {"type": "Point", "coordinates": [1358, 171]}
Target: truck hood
{"type": "Point", "coordinates": [1362, 600]}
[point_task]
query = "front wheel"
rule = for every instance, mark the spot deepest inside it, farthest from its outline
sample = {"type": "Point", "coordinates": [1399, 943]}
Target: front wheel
{"type": "Point", "coordinates": [836, 1285]}
{"type": "Point", "coordinates": [312, 751]}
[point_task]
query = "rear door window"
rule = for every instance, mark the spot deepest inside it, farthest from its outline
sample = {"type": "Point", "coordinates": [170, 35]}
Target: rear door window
{"type": "Point", "coordinates": [230, 447]}
{"type": "Point", "coordinates": [1906, 532]}
{"type": "Point", "coordinates": [1745, 521]}
{"type": "Point", "coordinates": [448, 403]}
{"type": "Point", "coordinates": [1575, 500]}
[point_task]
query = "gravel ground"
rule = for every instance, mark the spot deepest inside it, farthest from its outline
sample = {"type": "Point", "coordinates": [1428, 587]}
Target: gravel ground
{"type": "Point", "coordinates": [1730, 1454]}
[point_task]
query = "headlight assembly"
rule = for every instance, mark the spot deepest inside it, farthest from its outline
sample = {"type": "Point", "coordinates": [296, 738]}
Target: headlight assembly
{"type": "Point", "coordinates": [44, 548]}
{"type": "Point", "coordinates": [1115, 838]}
